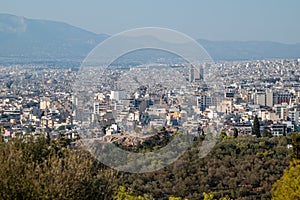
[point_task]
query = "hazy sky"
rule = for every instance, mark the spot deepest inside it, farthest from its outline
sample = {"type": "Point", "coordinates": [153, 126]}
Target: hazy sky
{"type": "Point", "coordinates": [273, 20]}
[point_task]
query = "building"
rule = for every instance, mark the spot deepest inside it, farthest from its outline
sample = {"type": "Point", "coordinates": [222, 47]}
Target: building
{"type": "Point", "coordinates": [269, 98]}
{"type": "Point", "coordinates": [294, 116]}
{"type": "Point", "coordinates": [44, 103]}
{"type": "Point", "coordinates": [260, 98]}
{"type": "Point", "coordinates": [96, 108]}
{"type": "Point", "coordinates": [278, 129]}
{"type": "Point", "coordinates": [196, 73]}
{"type": "Point", "coordinates": [117, 95]}
{"type": "Point", "coordinates": [226, 106]}
{"type": "Point", "coordinates": [203, 102]}
{"type": "Point", "coordinates": [280, 98]}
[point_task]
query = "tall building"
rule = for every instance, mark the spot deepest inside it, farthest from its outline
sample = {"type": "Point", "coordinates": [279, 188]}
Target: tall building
{"type": "Point", "coordinates": [44, 103]}
{"type": "Point", "coordinates": [281, 110]}
{"type": "Point", "coordinates": [191, 74]}
{"type": "Point", "coordinates": [294, 116]}
{"type": "Point", "coordinates": [96, 107]}
{"type": "Point", "coordinates": [196, 73]}
{"type": "Point", "coordinates": [260, 98]}
{"type": "Point", "coordinates": [269, 98]}
{"type": "Point", "coordinates": [204, 102]}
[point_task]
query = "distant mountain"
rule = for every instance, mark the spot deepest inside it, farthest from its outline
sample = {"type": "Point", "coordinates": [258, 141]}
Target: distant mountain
{"type": "Point", "coordinates": [30, 39]}
{"type": "Point", "coordinates": [250, 50]}
{"type": "Point", "coordinates": [42, 39]}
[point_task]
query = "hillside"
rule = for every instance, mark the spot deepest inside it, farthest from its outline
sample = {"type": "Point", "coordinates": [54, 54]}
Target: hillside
{"type": "Point", "coordinates": [23, 38]}
{"type": "Point", "coordinates": [28, 40]}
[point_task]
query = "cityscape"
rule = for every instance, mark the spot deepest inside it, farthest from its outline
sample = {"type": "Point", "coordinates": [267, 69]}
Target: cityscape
{"type": "Point", "coordinates": [38, 99]}
{"type": "Point", "coordinates": [129, 106]}
{"type": "Point", "coordinates": [149, 100]}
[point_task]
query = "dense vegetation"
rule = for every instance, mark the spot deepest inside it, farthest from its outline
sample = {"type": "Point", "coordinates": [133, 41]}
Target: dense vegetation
{"type": "Point", "coordinates": [37, 169]}
{"type": "Point", "coordinates": [239, 168]}
{"type": "Point", "coordinates": [288, 187]}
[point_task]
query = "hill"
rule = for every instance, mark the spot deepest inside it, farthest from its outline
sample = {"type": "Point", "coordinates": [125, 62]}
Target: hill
{"type": "Point", "coordinates": [32, 40]}
{"type": "Point", "coordinates": [23, 38]}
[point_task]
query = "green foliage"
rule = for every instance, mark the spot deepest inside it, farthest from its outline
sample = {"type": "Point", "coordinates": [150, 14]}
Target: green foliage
{"type": "Point", "coordinates": [208, 196]}
{"type": "Point", "coordinates": [35, 170]}
{"type": "Point", "coordinates": [288, 187]}
{"type": "Point", "coordinates": [177, 133]}
{"type": "Point", "coordinates": [175, 198]}
{"type": "Point", "coordinates": [123, 194]}
{"type": "Point", "coordinates": [225, 198]}
{"type": "Point", "coordinates": [265, 154]}
{"type": "Point", "coordinates": [162, 128]}
{"type": "Point", "coordinates": [1, 134]}
{"type": "Point", "coordinates": [241, 168]}
{"type": "Point", "coordinates": [127, 194]}
{"type": "Point", "coordinates": [256, 127]}
{"type": "Point", "coordinates": [61, 128]}
{"type": "Point", "coordinates": [232, 170]}
{"type": "Point", "coordinates": [267, 132]}
{"type": "Point", "coordinates": [235, 132]}
{"type": "Point", "coordinates": [296, 145]}
{"type": "Point", "coordinates": [222, 135]}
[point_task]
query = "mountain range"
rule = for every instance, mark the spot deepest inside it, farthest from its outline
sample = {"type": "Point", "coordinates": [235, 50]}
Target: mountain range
{"type": "Point", "coordinates": [31, 39]}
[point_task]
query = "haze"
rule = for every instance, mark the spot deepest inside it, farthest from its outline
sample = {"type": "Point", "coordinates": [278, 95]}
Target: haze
{"type": "Point", "coordinates": [214, 20]}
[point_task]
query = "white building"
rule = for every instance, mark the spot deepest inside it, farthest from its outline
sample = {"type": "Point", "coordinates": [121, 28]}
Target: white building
{"type": "Point", "coordinates": [117, 95]}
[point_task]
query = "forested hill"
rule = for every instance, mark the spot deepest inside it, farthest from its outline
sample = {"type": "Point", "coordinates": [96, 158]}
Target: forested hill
{"type": "Point", "coordinates": [238, 168]}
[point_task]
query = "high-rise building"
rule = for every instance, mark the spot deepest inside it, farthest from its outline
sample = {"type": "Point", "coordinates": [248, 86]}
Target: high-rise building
{"type": "Point", "coordinates": [260, 98]}
{"type": "Point", "coordinates": [294, 116]}
{"type": "Point", "coordinates": [191, 74]}
{"type": "Point", "coordinates": [96, 107]}
{"type": "Point", "coordinates": [44, 103]}
{"type": "Point", "coordinates": [196, 73]}
{"type": "Point", "coordinates": [281, 110]}
{"type": "Point", "coordinates": [204, 102]}
{"type": "Point", "coordinates": [269, 98]}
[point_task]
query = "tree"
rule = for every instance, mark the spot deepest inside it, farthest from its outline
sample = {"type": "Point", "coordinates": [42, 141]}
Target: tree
{"type": "Point", "coordinates": [127, 194]}
{"type": "Point", "coordinates": [296, 145]}
{"type": "Point", "coordinates": [256, 127]}
{"type": "Point", "coordinates": [175, 198]}
{"type": "Point", "coordinates": [33, 170]}
{"type": "Point", "coordinates": [288, 187]}
{"type": "Point", "coordinates": [267, 132]}
{"type": "Point", "coordinates": [222, 135]}
{"type": "Point", "coordinates": [61, 128]}
{"type": "Point", "coordinates": [235, 132]}
{"type": "Point", "coordinates": [208, 196]}
{"type": "Point", "coordinates": [1, 134]}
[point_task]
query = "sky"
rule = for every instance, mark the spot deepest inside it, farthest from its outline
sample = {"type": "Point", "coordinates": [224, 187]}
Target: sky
{"type": "Point", "coordinates": [261, 20]}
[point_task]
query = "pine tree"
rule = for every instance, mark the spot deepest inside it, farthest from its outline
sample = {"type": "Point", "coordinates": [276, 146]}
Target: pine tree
{"type": "Point", "coordinates": [1, 134]}
{"type": "Point", "coordinates": [256, 127]}
{"type": "Point", "coordinates": [235, 132]}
